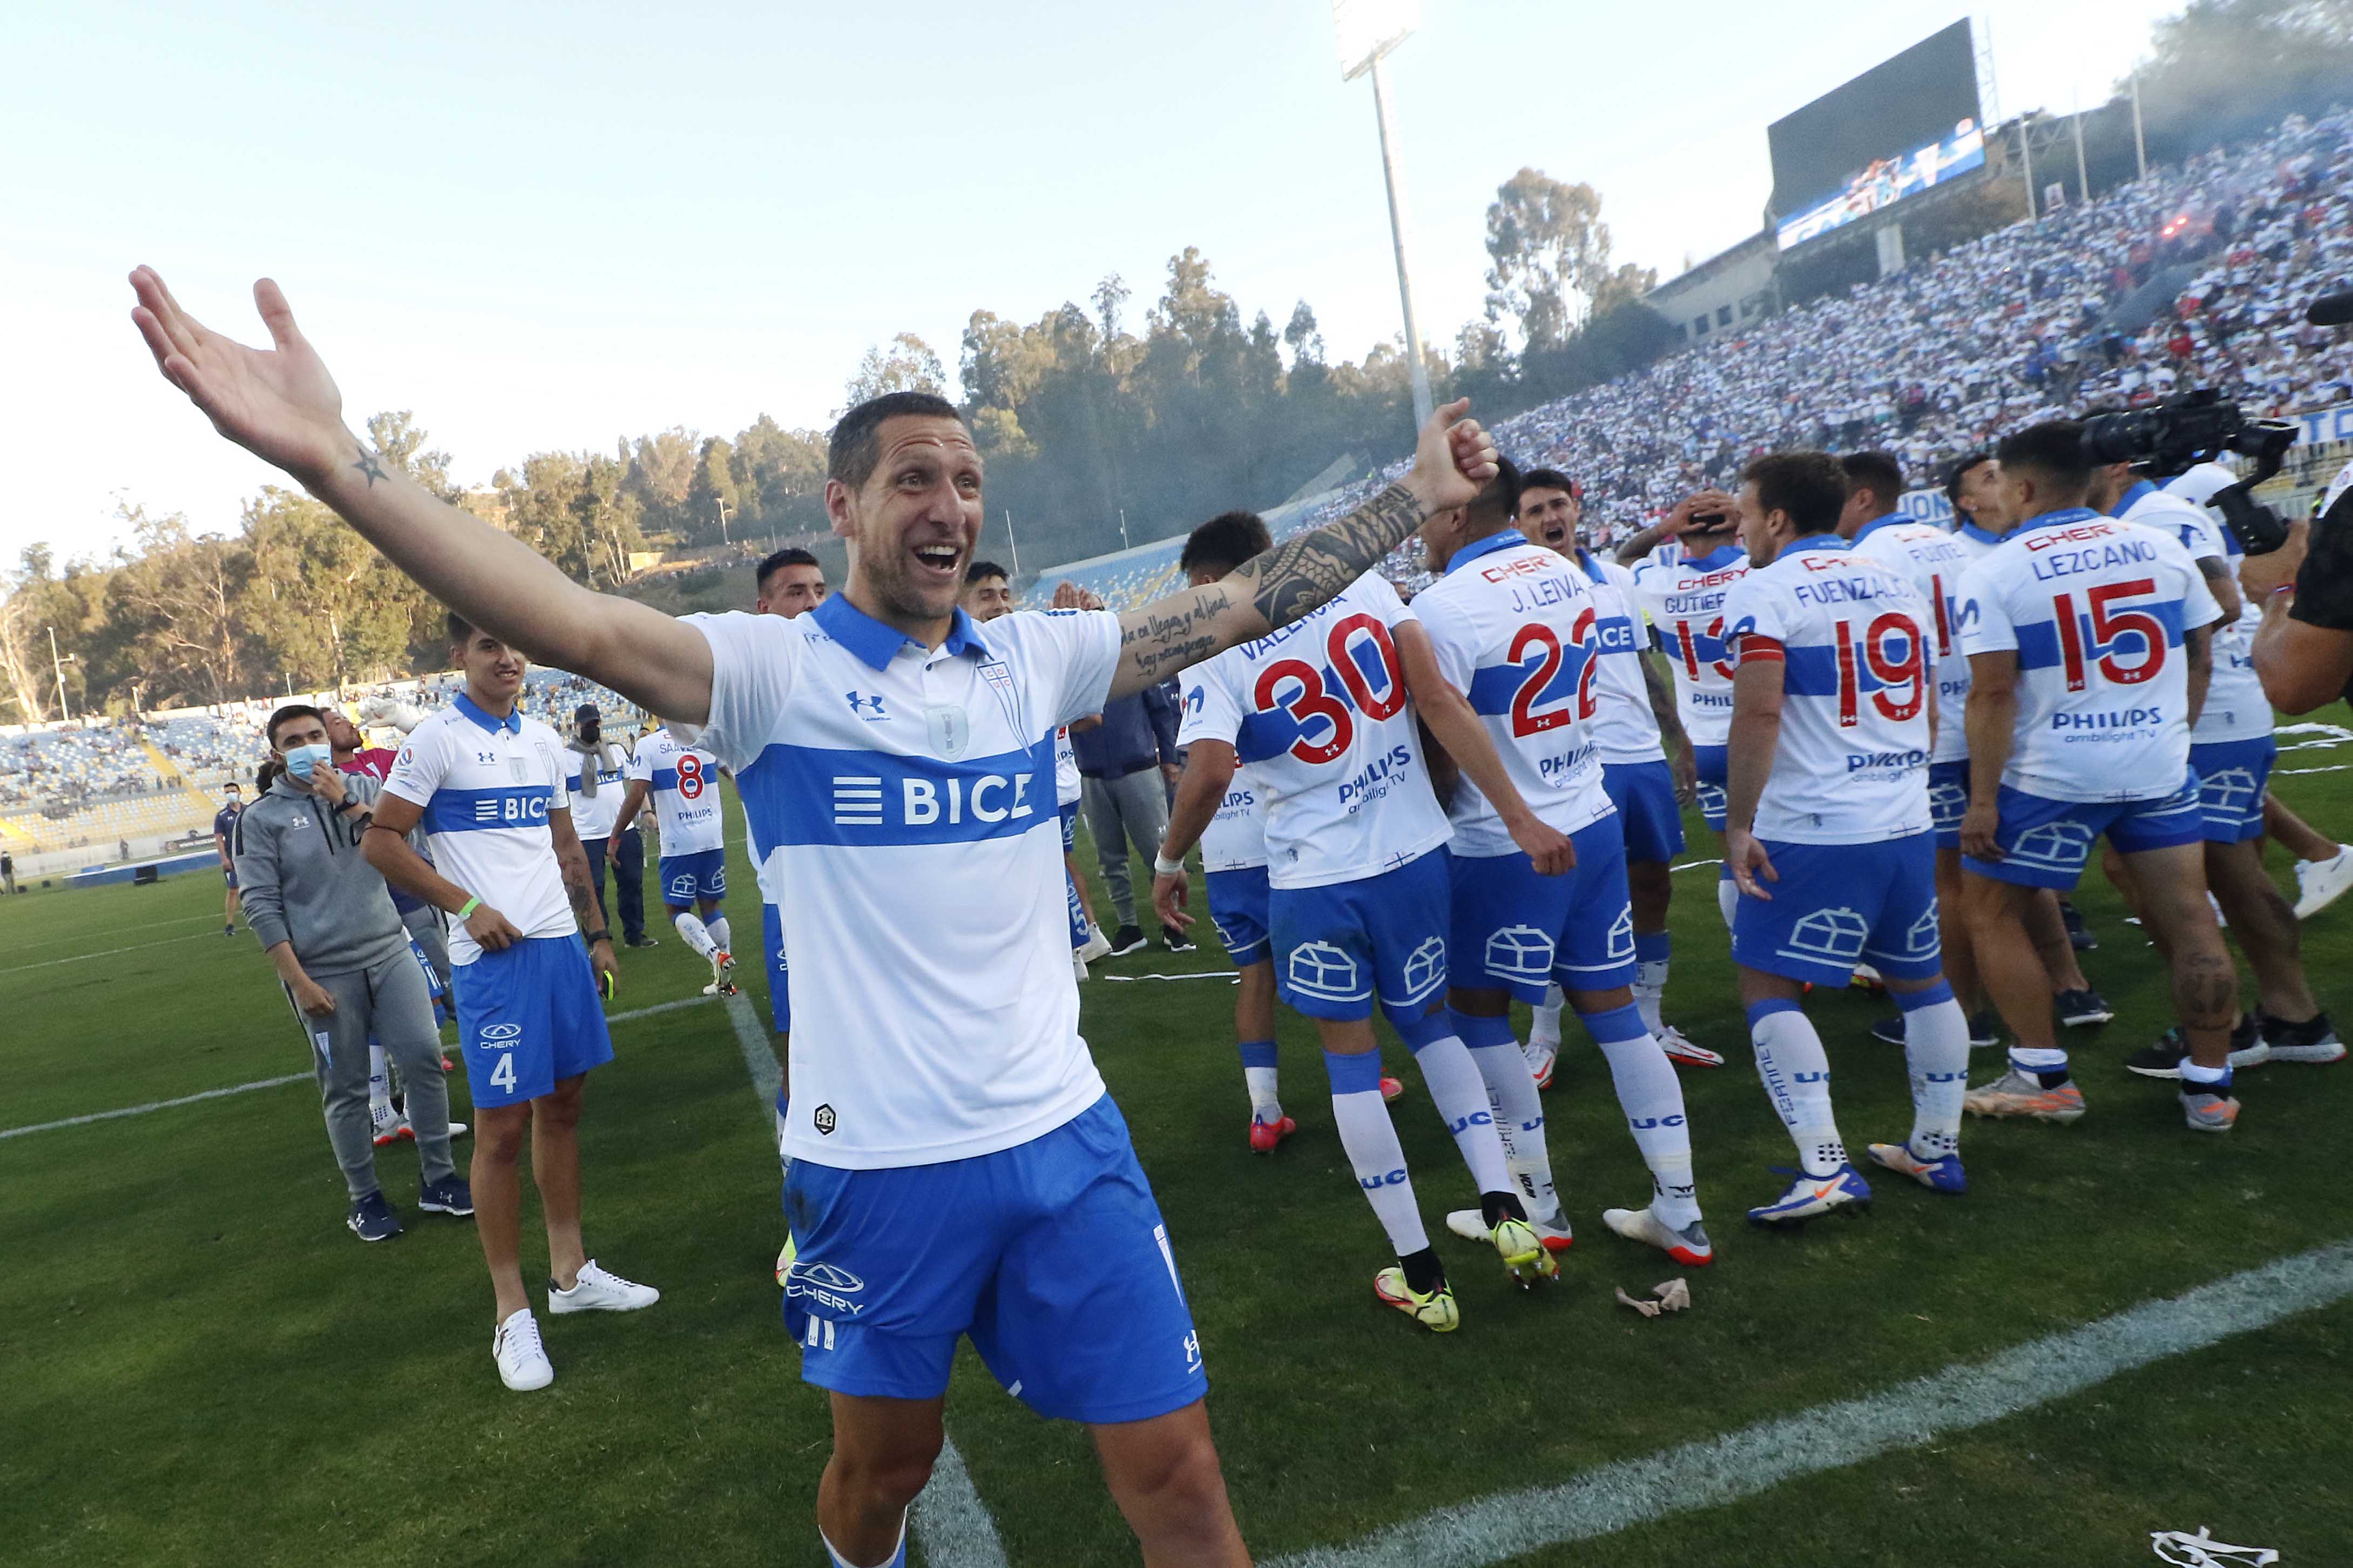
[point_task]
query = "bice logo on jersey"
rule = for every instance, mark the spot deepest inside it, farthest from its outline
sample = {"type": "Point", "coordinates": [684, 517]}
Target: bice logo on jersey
{"type": "Point", "coordinates": [861, 800]}
{"type": "Point", "coordinates": [511, 810]}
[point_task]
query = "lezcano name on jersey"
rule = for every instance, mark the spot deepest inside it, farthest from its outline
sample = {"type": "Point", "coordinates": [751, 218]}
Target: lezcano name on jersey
{"type": "Point", "coordinates": [2114, 551]}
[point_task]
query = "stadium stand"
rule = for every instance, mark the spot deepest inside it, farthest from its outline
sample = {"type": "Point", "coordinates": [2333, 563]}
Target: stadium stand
{"type": "Point", "coordinates": [2195, 276]}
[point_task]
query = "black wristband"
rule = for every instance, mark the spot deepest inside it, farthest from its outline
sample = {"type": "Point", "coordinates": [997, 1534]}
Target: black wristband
{"type": "Point", "coordinates": [593, 937]}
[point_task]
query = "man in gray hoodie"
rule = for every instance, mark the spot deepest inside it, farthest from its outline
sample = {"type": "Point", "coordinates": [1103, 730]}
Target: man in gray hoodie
{"type": "Point", "coordinates": [325, 919]}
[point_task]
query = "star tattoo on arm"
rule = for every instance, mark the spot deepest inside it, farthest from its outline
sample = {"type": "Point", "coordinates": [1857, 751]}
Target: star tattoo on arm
{"type": "Point", "coordinates": [369, 467]}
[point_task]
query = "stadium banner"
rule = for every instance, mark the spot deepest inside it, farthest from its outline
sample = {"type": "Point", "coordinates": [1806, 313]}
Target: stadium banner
{"type": "Point", "coordinates": [1887, 182]}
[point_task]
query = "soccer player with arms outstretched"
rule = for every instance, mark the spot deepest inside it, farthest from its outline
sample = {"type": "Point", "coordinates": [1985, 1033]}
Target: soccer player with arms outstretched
{"type": "Point", "coordinates": [1828, 833]}
{"type": "Point", "coordinates": [957, 1168]}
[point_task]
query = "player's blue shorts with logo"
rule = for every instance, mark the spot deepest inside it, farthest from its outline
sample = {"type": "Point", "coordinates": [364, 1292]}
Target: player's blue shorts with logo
{"type": "Point", "coordinates": [1518, 931]}
{"type": "Point", "coordinates": [1050, 1256]}
{"type": "Point", "coordinates": [2232, 777]}
{"type": "Point", "coordinates": [1714, 764]}
{"type": "Point", "coordinates": [1948, 800]}
{"type": "Point", "coordinates": [700, 875]}
{"type": "Point", "coordinates": [1649, 817]}
{"type": "Point", "coordinates": [1338, 946]}
{"type": "Point", "coordinates": [1069, 815]}
{"type": "Point", "coordinates": [1838, 905]}
{"type": "Point", "coordinates": [528, 1018]}
{"type": "Point", "coordinates": [1237, 908]}
{"type": "Point", "coordinates": [2045, 842]}
{"type": "Point", "coordinates": [772, 948]}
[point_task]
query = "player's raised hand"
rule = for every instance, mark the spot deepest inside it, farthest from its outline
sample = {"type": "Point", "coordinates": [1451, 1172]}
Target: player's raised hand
{"type": "Point", "coordinates": [278, 403]}
{"type": "Point", "coordinates": [1710, 503]}
{"type": "Point", "coordinates": [1452, 460]}
{"type": "Point", "coordinates": [1751, 867]}
{"type": "Point", "coordinates": [1069, 595]}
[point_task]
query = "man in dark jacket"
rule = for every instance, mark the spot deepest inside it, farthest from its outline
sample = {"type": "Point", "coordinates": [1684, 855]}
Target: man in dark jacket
{"type": "Point", "coordinates": [325, 919]}
{"type": "Point", "coordinates": [1127, 757]}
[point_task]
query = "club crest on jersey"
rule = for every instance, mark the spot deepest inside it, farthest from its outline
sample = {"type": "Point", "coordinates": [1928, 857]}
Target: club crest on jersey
{"type": "Point", "coordinates": [947, 729]}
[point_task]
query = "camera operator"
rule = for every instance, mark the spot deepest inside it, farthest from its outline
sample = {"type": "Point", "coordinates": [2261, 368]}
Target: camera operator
{"type": "Point", "coordinates": [2304, 648]}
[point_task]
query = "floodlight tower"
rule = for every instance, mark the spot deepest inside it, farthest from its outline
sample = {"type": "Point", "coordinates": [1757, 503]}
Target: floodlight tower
{"type": "Point", "coordinates": [1368, 30]}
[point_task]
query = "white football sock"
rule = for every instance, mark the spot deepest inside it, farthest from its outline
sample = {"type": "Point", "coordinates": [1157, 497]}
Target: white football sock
{"type": "Point", "coordinates": [694, 932]}
{"type": "Point", "coordinates": [1518, 1110]}
{"type": "Point", "coordinates": [1652, 1097]}
{"type": "Point", "coordinates": [1370, 1140]}
{"type": "Point", "coordinates": [1652, 952]}
{"type": "Point", "coordinates": [1459, 1093]}
{"type": "Point", "coordinates": [1796, 1073]}
{"type": "Point", "coordinates": [1936, 1050]}
{"type": "Point", "coordinates": [1259, 1077]}
{"type": "Point", "coordinates": [1546, 1030]}
{"type": "Point", "coordinates": [717, 927]}
{"type": "Point", "coordinates": [379, 1080]}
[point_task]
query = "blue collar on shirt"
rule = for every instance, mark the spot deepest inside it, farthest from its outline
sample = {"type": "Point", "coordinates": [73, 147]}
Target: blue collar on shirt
{"type": "Point", "coordinates": [874, 643]}
{"type": "Point", "coordinates": [513, 722]}
{"type": "Point", "coordinates": [1876, 524]}
{"type": "Point", "coordinates": [1487, 546]}
{"type": "Point", "coordinates": [1971, 531]}
{"type": "Point", "coordinates": [2066, 516]}
{"type": "Point", "coordinates": [1720, 556]}
{"type": "Point", "coordinates": [1817, 541]}
{"type": "Point", "coordinates": [2131, 498]}
{"type": "Point", "coordinates": [1592, 567]}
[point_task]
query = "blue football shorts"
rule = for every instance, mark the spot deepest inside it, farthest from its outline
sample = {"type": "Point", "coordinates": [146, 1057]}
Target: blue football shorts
{"type": "Point", "coordinates": [1949, 800]}
{"type": "Point", "coordinates": [1237, 908]}
{"type": "Point", "coordinates": [702, 875]}
{"type": "Point", "coordinates": [1051, 1257]}
{"type": "Point", "coordinates": [2045, 842]}
{"type": "Point", "coordinates": [2232, 777]}
{"type": "Point", "coordinates": [528, 1018]}
{"type": "Point", "coordinates": [1838, 905]}
{"type": "Point", "coordinates": [1069, 811]}
{"type": "Point", "coordinates": [1715, 763]}
{"type": "Point", "coordinates": [1338, 946]}
{"type": "Point", "coordinates": [1515, 930]}
{"type": "Point", "coordinates": [772, 946]}
{"type": "Point", "coordinates": [1648, 815]}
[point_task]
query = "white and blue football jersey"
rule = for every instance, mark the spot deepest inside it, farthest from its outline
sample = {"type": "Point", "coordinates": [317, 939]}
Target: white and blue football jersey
{"type": "Point", "coordinates": [487, 785]}
{"type": "Point", "coordinates": [593, 815]}
{"type": "Point", "coordinates": [2236, 708]}
{"type": "Point", "coordinates": [1932, 560]}
{"type": "Point", "coordinates": [1684, 597]}
{"type": "Point", "coordinates": [2095, 609]}
{"type": "Point", "coordinates": [1235, 839]}
{"type": "Point", "coordinates": [1516, 631]}
{"type": "Point", "coordinates": [1624, 729]}
{"type": "Point", "coordinates": [904, 798]}
{"type": "Point", "coordinates": [682, 783]}
{"type": "Point", "coordinates": [1857, 646]}
{"type": "Point", "coordinates": [1318, 712]}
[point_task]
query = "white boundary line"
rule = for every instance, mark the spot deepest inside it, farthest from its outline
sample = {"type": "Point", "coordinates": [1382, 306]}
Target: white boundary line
{"type": "Point", "coordinates": [289, 1077]}
{"type": "Point", "coordinates": [143, 925]}
{"type": "Point", "coordinates": [949, 1520]}
{"type": "Point", "coordinates": [1756, 1458]}
{"type": "Point", "coordinates": [110, 953]}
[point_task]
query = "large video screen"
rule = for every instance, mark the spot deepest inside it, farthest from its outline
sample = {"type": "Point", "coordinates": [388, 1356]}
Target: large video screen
{"type": "Point", "coordinates": [1925, 97]}
{"type": "Point", "coordinates": [1887, 182]}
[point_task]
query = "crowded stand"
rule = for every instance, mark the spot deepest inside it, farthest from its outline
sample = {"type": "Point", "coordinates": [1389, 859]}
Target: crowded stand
{"type": "Point", "coordinates": [2018, 325]}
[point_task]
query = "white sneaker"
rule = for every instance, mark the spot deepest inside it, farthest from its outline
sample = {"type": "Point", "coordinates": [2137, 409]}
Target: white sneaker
{"type": "Point", "coordinates": [722, 974]}
{"type": "Point", "coordinates": [2320, 883]}
{"type": "Point", "coordinates": [387, 1123]}
{"type": "Point", "coordinates": [600, 1291]}
{"type": "Point", "coordinates": [1077, 964]}
{"type": "Point", "coordinates": [457, 1129]}
{"type": "Point", "coordinates": [1097, 945]}
{"type": "Point", "coordinates": [1472, 1225]}
{"type": "Point", "coordinates": [522, 1359]}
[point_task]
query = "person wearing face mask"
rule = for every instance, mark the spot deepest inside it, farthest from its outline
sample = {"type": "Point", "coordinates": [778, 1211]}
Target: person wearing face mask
{"type": "Point", "coordinates": [223, 836]}
{"type": "Point", "coordinates": [595, 781]}
{"type": "Point", "coordinates": [325, 919]}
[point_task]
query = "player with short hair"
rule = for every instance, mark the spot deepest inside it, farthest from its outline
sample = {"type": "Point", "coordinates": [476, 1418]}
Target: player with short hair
{"type": "Point", "coordinates": [1683, 566]}
{"type": "Point", "coordinates": [224, 841]}
{"type": "Point", "coordinates": [935, 1018]}
{"type": "Point", "coordinates": [787, 582]}
{"type": "Point", "coordinates": [2089, 645]}
{"type": "Point", "coordinates": [487, 784]}
{"type": "Point", "coordinates": [1634, 727]}
{"type": "Point", "coordinates": [682, 783]}
{"type": "Point", "coordinates": [1513, 628]}
{"type": "Point", "coordinates": [1830, 838]}
{"type": "Point", "coordinates": [2231, 751]}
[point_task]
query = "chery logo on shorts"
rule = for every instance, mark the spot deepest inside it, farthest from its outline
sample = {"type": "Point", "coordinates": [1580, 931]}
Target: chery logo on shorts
{"type": "Point", "coordinates": [500, 1032]}
{"type": "Point", "coordinates": [824, 1283]}
{"type": "Point", "coordinates": [824, 1121]}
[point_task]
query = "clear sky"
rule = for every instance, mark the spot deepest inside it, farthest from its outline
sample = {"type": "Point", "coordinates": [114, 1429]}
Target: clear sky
{"type": "Point", "coordinates": [549, 226]}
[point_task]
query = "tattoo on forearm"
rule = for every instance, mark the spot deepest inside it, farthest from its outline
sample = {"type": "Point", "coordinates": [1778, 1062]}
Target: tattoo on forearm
{"type": "Point", "coordinates": [369, 467]}
{"type": "Point", "coordinates": [1162, 641]}
{"type": "Point", "coordinates": [575, 887]}
{"type": "Point", "coordinates": [1310, 568]}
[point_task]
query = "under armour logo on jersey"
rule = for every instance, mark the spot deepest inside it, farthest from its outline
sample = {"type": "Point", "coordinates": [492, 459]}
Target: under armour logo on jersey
{"type": "Point", "coordinates": [859, 705]}
{"type": "Point", "coordinates": [823, 1120]}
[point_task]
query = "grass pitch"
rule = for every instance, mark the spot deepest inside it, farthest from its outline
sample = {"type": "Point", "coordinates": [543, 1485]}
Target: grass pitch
{"type": "Point", "coordinates": [203, 1366]}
